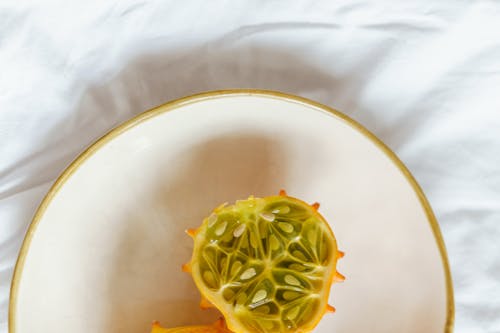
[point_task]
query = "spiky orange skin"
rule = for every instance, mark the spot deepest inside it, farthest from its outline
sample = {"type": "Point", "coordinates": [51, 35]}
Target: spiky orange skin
{"type": "Point", "coordinates": [267, 264]}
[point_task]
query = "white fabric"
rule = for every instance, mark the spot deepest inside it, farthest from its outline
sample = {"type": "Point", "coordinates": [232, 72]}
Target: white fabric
{"type": "Point", "coordinates": [422, 75]}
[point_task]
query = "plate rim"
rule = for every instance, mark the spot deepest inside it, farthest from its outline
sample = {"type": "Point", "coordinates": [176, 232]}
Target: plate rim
{"type": "Point", "coordinates": [194, 98]}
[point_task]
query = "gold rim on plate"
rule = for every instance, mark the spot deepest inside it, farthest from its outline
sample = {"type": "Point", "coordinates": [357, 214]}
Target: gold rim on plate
{"type": "Point", "coordinates": [450, 311]}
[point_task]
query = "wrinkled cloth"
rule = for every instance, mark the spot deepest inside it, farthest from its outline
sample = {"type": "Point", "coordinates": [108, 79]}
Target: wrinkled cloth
{"type": "Point", "coordinates": [424, 76]}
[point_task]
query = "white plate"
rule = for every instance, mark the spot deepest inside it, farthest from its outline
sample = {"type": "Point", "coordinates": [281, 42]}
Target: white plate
{"type": "Point", "coordinates": [104, 251]}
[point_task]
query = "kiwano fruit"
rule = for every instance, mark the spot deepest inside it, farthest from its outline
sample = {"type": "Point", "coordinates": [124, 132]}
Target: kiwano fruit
{"type": "Point", "coordinates": [218, 327]}
{"type": "Point", "coordinates": [266, 264]}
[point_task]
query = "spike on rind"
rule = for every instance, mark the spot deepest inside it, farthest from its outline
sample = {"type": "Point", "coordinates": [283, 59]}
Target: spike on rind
{"type": "Point", "coordinates": [186, 267]}
{"type": "Point", "coordinates": [315, 205]}
{"type": "Point", "coordinates": [205, 304]}
{"type": "Point", "coordinates": [156, 328]}
{"type": "Point", "coordinates": [330, 308]}
{"type": "Point", "coordinates": [191, 232]}
{"type": "Point", "coordinates": [338, 277]}
{"type": "Point", "coordinates": [220, 323]}
{"type": "Point", "coordinates": [282, 192]}
{"type": "Point", "coordinates": [341, 254]}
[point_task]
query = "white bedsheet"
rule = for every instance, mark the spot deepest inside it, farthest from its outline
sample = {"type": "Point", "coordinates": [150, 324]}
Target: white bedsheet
{"type": "Point", "coordinates": [422, 75]}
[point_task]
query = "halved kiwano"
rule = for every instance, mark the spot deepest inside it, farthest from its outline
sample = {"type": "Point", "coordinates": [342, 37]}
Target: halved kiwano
{"type": "Point", "coordinates": [266, 263]}
{"type": "Point", "coordinates": [218, 327]}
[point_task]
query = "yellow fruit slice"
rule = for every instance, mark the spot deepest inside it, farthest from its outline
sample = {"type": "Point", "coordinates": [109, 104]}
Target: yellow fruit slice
{"type": "Point", "coordinates": [266, 263]}
{"type": "Point", "coordinates": [218, 327]}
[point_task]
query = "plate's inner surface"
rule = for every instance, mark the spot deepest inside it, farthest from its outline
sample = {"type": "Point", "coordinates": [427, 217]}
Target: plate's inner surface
{"type": "Point", "coordinates": [106, 254]}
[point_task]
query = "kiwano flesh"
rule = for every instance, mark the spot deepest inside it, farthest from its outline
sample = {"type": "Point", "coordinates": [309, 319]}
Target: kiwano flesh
{"type": "Point", "coordinates": [266, 264]}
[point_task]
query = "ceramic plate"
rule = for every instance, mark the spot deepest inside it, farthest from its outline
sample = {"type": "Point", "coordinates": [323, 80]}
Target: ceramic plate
{"type": "Point", "coordinates": [104, 251]}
